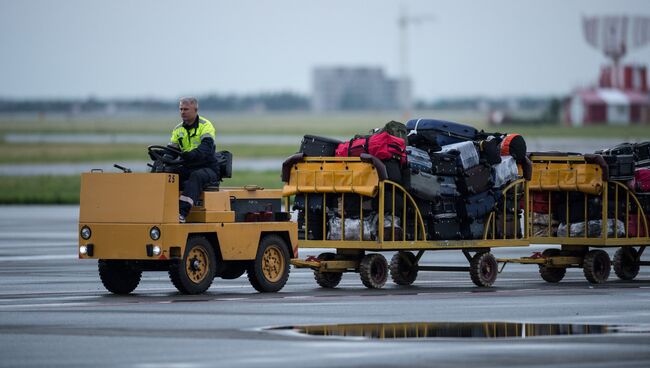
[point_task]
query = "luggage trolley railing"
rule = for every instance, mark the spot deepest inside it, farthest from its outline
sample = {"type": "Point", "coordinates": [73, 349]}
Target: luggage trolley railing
{"type": "Point", "coordinates": [419, 233]}
{"type": "Point", "coordinates": [511, 194]}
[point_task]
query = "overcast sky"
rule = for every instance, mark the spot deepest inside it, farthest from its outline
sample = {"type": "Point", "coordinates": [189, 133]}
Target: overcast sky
{"type": "Point", "coordinates": [165, 49]}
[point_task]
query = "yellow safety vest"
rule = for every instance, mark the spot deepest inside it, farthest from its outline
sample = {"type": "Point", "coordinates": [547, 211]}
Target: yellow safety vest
{"type": "Point", "coordinates": [188, 140]}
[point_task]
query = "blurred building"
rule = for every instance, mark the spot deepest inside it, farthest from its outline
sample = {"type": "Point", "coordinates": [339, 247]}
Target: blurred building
{"type": "Point", "coordinates": [621, 97]}
{"type": "Point", "coordinates": [357, 88]}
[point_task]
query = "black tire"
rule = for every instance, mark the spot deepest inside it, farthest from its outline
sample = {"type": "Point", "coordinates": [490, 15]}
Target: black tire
{"type": "Point", "coordinates": [328, 280]}
{"type": "Point", "coordinates": [625, 263]}
{"type": "Point", "coordinates": [231, 270]}
{"type": "Point", "coordinates": [483, 269]}
{"type": "Point", "coordinates": [551, 274]}
{"type": "Point", "coordinates": [404, 268]}
{"type": "Point", "coordinates": [596, 266]}
{"type": "Point", "coordinates": [194, 273]}
{"type": "Point", "coordinates": [270, 270]}
{"type": "Point", "coordinates": [373, 271]}
{"type": "Point", "coordinates": [118, 277]}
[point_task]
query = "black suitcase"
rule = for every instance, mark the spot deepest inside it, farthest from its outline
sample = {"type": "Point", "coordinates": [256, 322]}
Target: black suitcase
{"type": "Point", "coordinates": [444, 163]}
{"type": "Point", "coordinates": [642, 152]}
{"type": "Point", "coordinates": [314, 213]}
{"type": "Point", "coordinates": [477, 179]}
{"type": "Point", "coordinates": [445, 207]}
{"type": "Point", "coordinates": [474, 229]}
{"type": "Point", "coordinates": [427, 186]}
{"type": "Point", "coordinates": [621, 149]}
{"type": "Point", "coordinates": [447, 132]}
{"type": "Point", "coordinates": [476, 206]}
{"type": "Point", "coordinates": [312, 145]}
{"type": "Point", "coordinates": [620, 167]}
{"type": "Point", "coordinates": [644, 201]}
{"type": "Point", "coordinates": [394, 171]}
{"type": "Point", "coordinates": [444, 229]}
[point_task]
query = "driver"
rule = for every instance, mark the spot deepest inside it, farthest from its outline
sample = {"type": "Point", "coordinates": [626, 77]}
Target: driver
{"type": "Point", "coordinates": [194, 137]}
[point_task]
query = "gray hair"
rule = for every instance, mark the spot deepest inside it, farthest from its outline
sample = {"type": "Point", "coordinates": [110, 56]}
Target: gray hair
{"type": "Point", "coordinates": [190, 100]}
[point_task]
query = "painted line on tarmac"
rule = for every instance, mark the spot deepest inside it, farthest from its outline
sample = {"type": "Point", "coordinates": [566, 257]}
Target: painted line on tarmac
{"type": "Point", "coordinates": [38, 258]}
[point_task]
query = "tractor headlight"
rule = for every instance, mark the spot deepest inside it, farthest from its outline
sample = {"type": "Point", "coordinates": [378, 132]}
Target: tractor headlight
{"type": "Point", "coordinates": [83, 250]}
{"type": "Point", "coordinates": [85, 232]}
{"type": "Point", "coordinates": [154, 233]}
{"type": "Point", "coordinates": [156, 250]}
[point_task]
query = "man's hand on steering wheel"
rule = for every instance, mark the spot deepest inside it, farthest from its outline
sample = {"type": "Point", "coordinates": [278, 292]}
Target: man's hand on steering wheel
{"type": "Point", "coordinates": [166, 154]}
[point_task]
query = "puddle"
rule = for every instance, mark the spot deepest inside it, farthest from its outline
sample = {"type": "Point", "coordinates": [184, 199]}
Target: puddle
{"type": "Point", "coordinates": [486, 330]}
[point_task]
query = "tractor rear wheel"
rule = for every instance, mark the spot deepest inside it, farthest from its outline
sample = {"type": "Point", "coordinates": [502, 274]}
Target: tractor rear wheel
{"type": "Point", "coordinates": [404, 268]}
{"type": "Point", "coordinates": [118, 277]}
{"type": "Point", "coordinates": [625, 263]}
{"type": "Point", "coordinates": [194, 273]}
{"type": "Point", "coordinates": [373, 271]}
{"type": "Point", "coordinates": [270, 270]}
{"type": "Point", "coordinates": [596, 266]}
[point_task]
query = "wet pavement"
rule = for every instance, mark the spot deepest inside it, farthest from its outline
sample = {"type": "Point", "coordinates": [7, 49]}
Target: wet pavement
{"type": "Point", "coordinates": [55, 312]}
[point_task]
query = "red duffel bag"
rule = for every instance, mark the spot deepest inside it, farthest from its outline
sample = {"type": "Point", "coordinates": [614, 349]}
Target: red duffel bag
{"type": "Point", "coordinates": [385, 147]}
{"type": "Point", "coordinates": [352, 148]}
{"type": "Point", "coordinates": [641, 180]}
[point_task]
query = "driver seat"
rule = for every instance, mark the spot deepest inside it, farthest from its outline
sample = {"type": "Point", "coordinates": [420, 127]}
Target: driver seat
{"type": "Point", "coordinates": [224, 162]}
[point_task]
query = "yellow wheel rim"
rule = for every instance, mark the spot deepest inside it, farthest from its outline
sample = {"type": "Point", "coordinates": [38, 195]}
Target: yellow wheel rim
{"type": "Point", "coordinates": [273, 263]}
{"type": "Point", "coordinates": [197, 264]}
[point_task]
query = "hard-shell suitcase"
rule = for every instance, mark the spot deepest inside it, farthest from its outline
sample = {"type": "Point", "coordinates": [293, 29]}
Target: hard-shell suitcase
{"type": "Point", "coordinates": [641, 183]}
{"type": "Point", "coordinates": [445, 206]}
{"type": "Point", "coordinates": [394, 170]}
{"type": "Point", "coordinates": [476, 206]}
{"type": "Point", "coordinates": [418, 160]}
{"type": "Point", "coordinates": [620, 167]}
{"type": "Point", "coordinates": [621, 149]}
{"type": "Point", "coordinates": [468, 156]}
{"type": "Point", "coordinates": [475, 180]}
{"type": "Point", "coordinates": [427, 186]}
{"type": "Point", "coordinates": [313, 212]}
{"type": "Point", "coordinates": [642, 151]}
{"type": "Point", "coordinates": [474, 230]}
{"type": "Point", "coordinates": [505, 172]}
{"type": "Point", "coordinates": [444, 229]}
{"type": "Point", "coordinates": [444, 163]}
{"type": "Point", "coordinates": [447, 132]}
{"type": "Point", "coordinates": [642, 164]}
{"type": "Point", "coordinates": [313, 145]}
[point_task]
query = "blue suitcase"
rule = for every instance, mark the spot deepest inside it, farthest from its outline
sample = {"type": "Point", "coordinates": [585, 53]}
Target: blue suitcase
{"type": "Point", "coordinates": [427, 186]}
{"type": "Point", "coordinates": [476, 206]}
{"type": "Point", "coordinates": [418, 160]}
{"type": "Point", "coordinates": [447, 132]}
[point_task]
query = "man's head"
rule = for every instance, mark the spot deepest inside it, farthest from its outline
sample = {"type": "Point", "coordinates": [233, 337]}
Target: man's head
{"type": "Point", "coordinates": [189, 109]}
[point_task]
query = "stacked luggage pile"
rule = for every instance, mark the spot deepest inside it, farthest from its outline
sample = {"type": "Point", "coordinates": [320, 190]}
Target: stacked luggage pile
{"type": "Point", "coordinates": [579, 213]}
{"type": "Point", "coordinates": [454, 172]}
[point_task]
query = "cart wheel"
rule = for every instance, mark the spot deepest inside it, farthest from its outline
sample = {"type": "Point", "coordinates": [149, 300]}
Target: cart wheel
{"type": "Point", "coordinates": [551, 274]}
{"type": "Point", "coordinates": [195, 272]}
{"type": "Point", "coordinates": [327, 280]}
{"type": "Point", "coordinates": [270, 270]}
{"type": "Point", "coordinates": [373, 271]}
{"type": "Point", "coordinates": [596, 266]}
{"type": "Point", "coordinates": [118, 277]}
{"type": "Point", "coordinates": [403, 268]}
{"type": "Point", "coordinates": [625, 265]}
{"type": "Point", "coordinates": [483, 269]}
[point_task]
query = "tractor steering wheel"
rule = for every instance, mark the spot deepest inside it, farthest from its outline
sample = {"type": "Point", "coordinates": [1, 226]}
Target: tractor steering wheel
{"type": "Point", "coordinates": [159, 153]}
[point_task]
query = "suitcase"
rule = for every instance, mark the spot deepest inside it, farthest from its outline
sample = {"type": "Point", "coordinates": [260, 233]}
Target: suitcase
{"type": "Point", "coordinates": [620, 167]}
{"type": "Point", "coordinates": [476, 206]}
{"type": "Point", "coordinates": [426, 208]}
{"type": "Point", "coordinates": [314, 214]}
{"type": "Point", "coordinates": [489, 151]}
{"type": "Point", "coordinates": [540, 202]}
{"type": "Point", "coordinates": [641, 183]}
{"type": "Point", "coordinates": [424, 140]}
{"type": "Point", "coordinates": [474, 230]}
{"type": "Point", "coordinates": [475, 180]}
{"type": "Point", "coordinates": [636, 227]}
{"type": "Point", "coordinates": [418, 160]}
{"type": "Point", "coordinates": [445, 207]}
{"type": "Point", "coordinates": [642, 152]}
{"type": "Point", "coordinates": [444, 229]}
{"type": "Point", "coordinates": [621, 149]}
{"type": "Point", "coordinates": [642, 164]}
{"type": "Point", "coordinates": [446, 132]}
{"type": "Point", "coordinates": [593, 210]}
{"type": "Point", "coordinates": [444, 163]}
{"type": "Point", "coordinates": [312, 145]}
{"type": "Point", "coordinates": [566, 176]}
{"type": "Point", "coordinates": [427, 186]}
{"type": "Point", "coordinates": [394, 170]}
{"type": "Point", "coordinates": [644, 201]}
{"type": "Point", "coordinates": [505, 172]}
{"type": "Point", "coordinates": [512, 222]}
{"type": "Point", "coordinates": [468, 156]}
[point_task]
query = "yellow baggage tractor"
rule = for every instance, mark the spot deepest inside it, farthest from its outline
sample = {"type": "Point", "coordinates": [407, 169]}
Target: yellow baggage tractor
{"type": "Point", "coordinates": [572, 204]}
{"type": "Point", "coordinates": [358, 187]}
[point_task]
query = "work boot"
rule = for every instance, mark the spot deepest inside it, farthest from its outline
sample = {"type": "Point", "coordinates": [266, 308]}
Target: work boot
{"type": "Point", "coordinates": [181, 219]}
